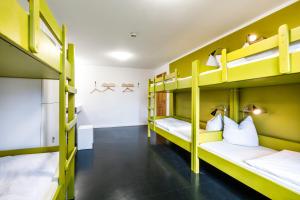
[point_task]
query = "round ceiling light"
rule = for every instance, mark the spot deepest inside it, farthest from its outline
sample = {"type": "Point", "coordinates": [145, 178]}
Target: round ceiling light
{"type": "Point", "coordinates": [121, 55]}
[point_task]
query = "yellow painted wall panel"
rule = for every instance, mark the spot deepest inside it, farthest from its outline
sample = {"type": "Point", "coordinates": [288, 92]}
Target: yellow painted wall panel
{"type": "Point", "coordinates": [266, 27]}
{"type": "Point", "coordinates": [282, 102]}
{"type": "Point", "coordinates": [208, 98]}
{"type": "Point", "coordinates": [283, 108]}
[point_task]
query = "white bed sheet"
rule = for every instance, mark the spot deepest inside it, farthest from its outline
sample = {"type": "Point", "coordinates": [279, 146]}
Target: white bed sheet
{"type": "Point", "coordinates": [27, 177]}
{"type": "Point", "coordinates": [294, 47]}
{"type": "Point", "coordinates": [238, 154]}
{"type": "Point", "coordinates": [181, 129]}
{"type": "Point", "coordinates": [210, 71]}
{"type": "Point", "coordinates": [284, 164]}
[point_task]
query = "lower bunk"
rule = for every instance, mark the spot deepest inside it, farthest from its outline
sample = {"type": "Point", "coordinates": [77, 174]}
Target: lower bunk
{"type": "Point", "coordinates": [29, 176]}
{"type": "Point", "coordinates": [175, 131]}
{"type": "Point", "coordinates": [179, 132]}
{"type": "Point", "coordinates": [273, 173]}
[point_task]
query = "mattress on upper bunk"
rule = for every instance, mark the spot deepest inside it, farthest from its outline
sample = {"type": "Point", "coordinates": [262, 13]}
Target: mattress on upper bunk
{"type": "Point", "coordinates": [27, 177]}
{"type": "Point", "coordinates": [240, 155]}
{"type": "Point", "coordinates": [294, 47]}
{"type": "Point", "coordinates": [171, 80]}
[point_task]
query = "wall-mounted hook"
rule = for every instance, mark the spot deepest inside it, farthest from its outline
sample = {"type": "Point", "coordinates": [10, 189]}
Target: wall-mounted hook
{"type": "Point", "coordinates": [95, 88]}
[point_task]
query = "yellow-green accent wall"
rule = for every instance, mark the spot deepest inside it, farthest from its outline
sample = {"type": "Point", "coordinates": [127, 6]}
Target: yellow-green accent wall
{"type": "Point", "coordinates": [208, 100]}
{"type": "Point", "coordinates": [281, 102]}
{"type": "Point", "coordinates": [266, 27]}
{"type": "Point", "coordinates": [283, 110]}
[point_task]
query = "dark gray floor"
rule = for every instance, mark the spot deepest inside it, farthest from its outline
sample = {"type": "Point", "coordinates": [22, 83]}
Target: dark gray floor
{"type": "Point", "coordinates": [125, 166]}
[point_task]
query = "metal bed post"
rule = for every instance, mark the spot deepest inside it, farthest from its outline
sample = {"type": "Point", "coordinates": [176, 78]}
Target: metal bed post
{"type": "Point", "coordinates": [234, 104]}
{"type": "Point", "coordinates": [154, 103]}
{"type": "Point", "coordinates": [195, 116]}
{"type": "Point", "coordinates": [171, 95]}
{"type": "Point", "coordinates": [283, 46]}
{"type": "Point", "coordinates": [62, 119]}
{"type": "Point", "coordinates": [149, 107]}
{"type": "Point", "coordinates": [171, 103]}
{"type": "Point", "coordinates": [34, 24]}
{"type": "Point", "coordinates": [224, 65]}
{"type": "Point", "coordinates": [70, 88]}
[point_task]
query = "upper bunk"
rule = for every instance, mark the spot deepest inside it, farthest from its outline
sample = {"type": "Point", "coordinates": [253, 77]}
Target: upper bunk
{"type": "Point", "coordinates": [31, 41]}
{"type": "Point", "coordinates": [272, 61]}
{"type": "Point", "coordinates": [170, 82]}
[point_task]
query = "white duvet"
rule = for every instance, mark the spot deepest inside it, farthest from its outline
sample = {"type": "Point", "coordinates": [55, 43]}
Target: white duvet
{"type": "Point", "coordinates": [284, 164]}
{"type": "Point", "coordinates": [28, 177]}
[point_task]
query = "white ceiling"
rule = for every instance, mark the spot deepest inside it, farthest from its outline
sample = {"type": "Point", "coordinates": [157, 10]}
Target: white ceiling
{"type": "Point", "coordinates": [166, 28]}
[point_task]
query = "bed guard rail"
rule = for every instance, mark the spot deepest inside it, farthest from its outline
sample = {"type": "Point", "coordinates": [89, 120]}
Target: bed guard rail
{"type": "Point", "coordinates": [280, 41]}
{"type": "Point", "coordinates": [38, 9]}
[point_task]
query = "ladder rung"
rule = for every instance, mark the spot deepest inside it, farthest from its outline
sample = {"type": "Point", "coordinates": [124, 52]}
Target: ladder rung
{"type": "Point", "coordinates": [71, 89]}
{"type": "Point", "coordinates": [71, 124]}
{"type": "Point", "coordinates": [67, 166]}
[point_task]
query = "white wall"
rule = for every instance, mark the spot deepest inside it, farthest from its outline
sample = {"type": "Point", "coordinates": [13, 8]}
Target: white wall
{"type": "Point", "coordinates": [28, 113]}
{"type": "Point", "coordinates": [29, 108]}
{"type": "Point", "coordinates": [160, 70]}
{"type": "Point", "coordinates": [20, 113]}
{"type": "Point", "coordinates": [50, 112]}
{"type": "Point", "coordinates": [112, 108]}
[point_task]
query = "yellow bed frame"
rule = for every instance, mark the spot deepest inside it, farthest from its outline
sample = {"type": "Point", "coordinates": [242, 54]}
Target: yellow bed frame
{"type": "Point", "coordinates": [282, 69]}
{"type": "Point", "coordinates": [28, 52]}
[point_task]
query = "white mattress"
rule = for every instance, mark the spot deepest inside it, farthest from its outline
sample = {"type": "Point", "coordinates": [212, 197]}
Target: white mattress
{"type": "Point", "coordinates": [284, 164]}
{"type": "Point", "coordinates": [294, 47]}
{"type": "Point", "coordinates": [179, 128]}
{"type": "Point", "coordinates": [210, 71]}
{"type": "Point", "coordinates": [27, 177]}
{"type": "Point", "coordinates": [239, 154]}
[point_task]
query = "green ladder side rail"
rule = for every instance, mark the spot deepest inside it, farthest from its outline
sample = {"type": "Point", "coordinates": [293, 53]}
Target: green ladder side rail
{"type": "Point", "coordinates": [67, 149]}
{"type": "Point", "coordinates": [151, 97]}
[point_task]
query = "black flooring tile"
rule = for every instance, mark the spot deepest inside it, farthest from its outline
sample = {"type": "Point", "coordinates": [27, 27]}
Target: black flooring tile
{"type": "Point", "coordinates": [124, 165]}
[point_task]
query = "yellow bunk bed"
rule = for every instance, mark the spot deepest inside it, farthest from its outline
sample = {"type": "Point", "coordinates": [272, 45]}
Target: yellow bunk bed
{"type": "Point", "coordinates": [27, 51]}
{"type": "Point", "coordinates": [276, 57]}
{"type": "Point", "coordinates": [173, 128]}
{"type": "Point", "coordinates": [165, 83]}
{"type": "Point", "coordinates": [170, 82]}
{"type": "Point", "coordinates": [282, 66]}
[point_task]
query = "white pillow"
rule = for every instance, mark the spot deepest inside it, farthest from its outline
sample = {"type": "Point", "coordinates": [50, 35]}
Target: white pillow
{"type": "Point", "coordinates": [215, 124]}
{"type": "Point", "coordinates": [241, 134]}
